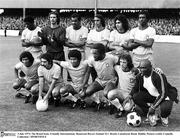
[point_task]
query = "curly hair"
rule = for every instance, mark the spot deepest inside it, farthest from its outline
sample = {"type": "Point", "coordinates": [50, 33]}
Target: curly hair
{"type": "Point", "coordinates": [28, 55]}
{"type": "Point", "coordinates": [122, 18]}
{"type": "Point", "coordinates": [75, 53]}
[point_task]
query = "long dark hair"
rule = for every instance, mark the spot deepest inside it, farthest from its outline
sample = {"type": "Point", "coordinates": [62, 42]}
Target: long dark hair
{"type": "Point", "coordinates": [122, 18]}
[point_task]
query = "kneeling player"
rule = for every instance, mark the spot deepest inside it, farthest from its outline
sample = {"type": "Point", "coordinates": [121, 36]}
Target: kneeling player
{"type": "Point", "coordinates": [29, 66]}
{"type": "Point", "coordinates": [126, 75]}
{"type": "Point", "coordinates": [77, 70]}
{"type": "Point", "coordinates": [50, 79]}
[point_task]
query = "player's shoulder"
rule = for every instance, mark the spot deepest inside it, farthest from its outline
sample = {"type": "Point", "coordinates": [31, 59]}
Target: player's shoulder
{"type": "Point", "coordinates": [69, 28]}
{"type": "Point", "coordinates": [19, 65]}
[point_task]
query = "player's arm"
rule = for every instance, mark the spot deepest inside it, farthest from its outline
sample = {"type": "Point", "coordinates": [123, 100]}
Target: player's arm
{"type": "Point", "coordinates": [148, 43]}
{"type": "Point", "coordinates": [86, 77]}
{"type": "Point", "coordinates": [41, 85]}
{"type": "Point", "coordinates": [50, 89]}
{"type": "Point", "coordinates": [130, 45]}
{"type": "Point", "coordinates": [114, 46]}
{"type": "Point", "coordinates": [16, 73]}
{"type": "Point", "coordinates": [25, 43]}
{"type": "Point", "coordinates": [80, 43]}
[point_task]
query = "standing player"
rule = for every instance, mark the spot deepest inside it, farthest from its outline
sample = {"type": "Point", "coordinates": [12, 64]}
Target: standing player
{"type": "Point", "coordinates": [77, 70]}
{"type": "Point", "coordinates": [30, 38]}
{"type": "Point", "coordinates": [104, 65]}
{"type": "Point", "coordinates": [99, 34]}
{"type": "Point", "coordinates": [141, 40]}
{"type": "Point", "coordinates": [29, 66]}
{"type": "Point", "coordinates": [50, 79]}
{"type": "Point", "coordinates": [53, 37]}
{"type": "Point", "coordinates": [126, 77]}
{"type": "Point", "coordinates": [120, 35]}
{"type": "Point", "coordinates": [76, 35]}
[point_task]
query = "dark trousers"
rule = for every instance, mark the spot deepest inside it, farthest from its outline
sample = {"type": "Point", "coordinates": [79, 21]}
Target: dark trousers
{"type": "Point", "coordinates": [142, 98]}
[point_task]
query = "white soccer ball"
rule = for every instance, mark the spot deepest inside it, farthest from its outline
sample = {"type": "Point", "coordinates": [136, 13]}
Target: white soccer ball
{"type": "Point", "coordinates": [41, 105]}
{"type": "Point", "coordinates": [133, 119]}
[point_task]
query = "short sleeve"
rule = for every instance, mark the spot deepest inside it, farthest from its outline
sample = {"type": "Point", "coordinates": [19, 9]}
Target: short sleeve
{"type": "Point", "coordinates": [106, 34]}
{"type": "Point", "coordinates": [111, 39]}
{"type": "Point", "coordinates": [64, 64]}
{"type": "Point", "coordinates": [19, 65]}
{"type": "Point", "coordinates": [89, 36]}
{"type": "Point", "coordinates": [40, 71]}
{"type": "Point", "coordinates": [132, 33]}
{"type": "Point", "coordinates": [57, 72]}
{"type": "Point", "coordinates": [152, 33]}
{"type": "Point", "coordinates": [90, 61]}
{"type": "Point", "coordinates": [23, 36]}
{"type": "Point", "coordinates": [85, 33]}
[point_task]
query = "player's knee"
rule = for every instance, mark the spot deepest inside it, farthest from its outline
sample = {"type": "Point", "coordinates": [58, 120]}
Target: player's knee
{"type": "Point", "coordinates": [27, 86]}
{"type": "Point", "coordinates": [55, 93]}
{"type": "Point", "coordinates": [16, 85]}
{"type": "Point", "coordinates": [166, 108]}
{"type": "Point", "coordinates": [62, 90]}
{"type": "Point", "coordinates": [111, 95]}
{"type": "Point", "coordinates": [34, 90]}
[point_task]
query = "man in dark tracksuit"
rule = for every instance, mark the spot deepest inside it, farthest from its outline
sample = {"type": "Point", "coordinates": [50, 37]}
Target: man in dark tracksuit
{"type": "Point", "coordinates": [152, 87]}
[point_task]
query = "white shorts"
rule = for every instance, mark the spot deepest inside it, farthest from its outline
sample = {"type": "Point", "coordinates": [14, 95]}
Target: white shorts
{"type": "Point", "coordinates": [138, 58]}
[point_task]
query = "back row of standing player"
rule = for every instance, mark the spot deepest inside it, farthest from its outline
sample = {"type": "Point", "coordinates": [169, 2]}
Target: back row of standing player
{"type": "Point", "coordinates": [76, 37]}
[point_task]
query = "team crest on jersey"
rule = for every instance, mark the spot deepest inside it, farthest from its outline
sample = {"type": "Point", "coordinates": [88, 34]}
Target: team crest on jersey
{"type": "Point", "coordinates": [107, 64]}
{"type": "Point", "coordinates": [132, 80]}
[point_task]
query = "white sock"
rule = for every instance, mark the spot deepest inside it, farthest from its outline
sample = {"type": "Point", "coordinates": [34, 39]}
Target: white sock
{"type": "Point", "coordinates": [117, 104]}
{"type": "Point", "coordinates": [71, 97]}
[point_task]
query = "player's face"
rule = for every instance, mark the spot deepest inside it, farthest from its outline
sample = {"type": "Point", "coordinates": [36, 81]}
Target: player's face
{"type": "Point", "coordinates": [96, 54]}
{"type": "Point", "coordinates": [142, 19]}
{"type": "Point", "coordinates": [74, 61]}
{"type": "Point", "coordinates": [123, 64]}
{"type": "Point", "coordinates": [119, 25]}
{"type": "Point", "coordinates": [75, 23]}
{"type": "Point", "coordinates": [97, 22]}
{"type": "Point", "coordinates": [145, 70]}
{"type": "Point", "coordinates": [53, 18]}
{"type": "Point", "coordinates": [45, 63]}
{"type": "Point", "coordinates": [26, 62]}
{"type": "Point", "coordinates": [29, 25]}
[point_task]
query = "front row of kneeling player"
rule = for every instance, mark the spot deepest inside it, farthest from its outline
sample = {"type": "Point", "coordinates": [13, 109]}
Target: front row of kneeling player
{"type": "Point", "coordinates": [120, 81]}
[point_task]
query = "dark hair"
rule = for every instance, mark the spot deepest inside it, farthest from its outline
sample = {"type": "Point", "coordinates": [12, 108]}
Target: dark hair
{"type": "Point", "coordinates": [101, 18]}
{"type": "Point", "coordinates": [144, 13]}
{"type": "Point", "coordinates": [100, 47]}
{"type": "Point", "coordinates": [57, 15]}
{"type": "Point", "coordinates": [47, 57]}
{"type": "Point", "coordinates": [29, 19]}
{"type": "Point", "coordinates": [26, 54]}
{"type": "Point", "coordinates": [75, 53]}
{"type": "Point", "coordinates": [124, 21]}
{"type": "Point", "coordinates": [128, 58]}
{"type": "Point", "coordinates": [76, 15]}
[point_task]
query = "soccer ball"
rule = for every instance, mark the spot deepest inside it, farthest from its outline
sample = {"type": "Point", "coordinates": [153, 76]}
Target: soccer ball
{"type": "Point", "coordinates": [133, 119]}
{"type": "Point", "coordinates": [41, 105]}
{"type": "Point", "coordinates": [36, 39]}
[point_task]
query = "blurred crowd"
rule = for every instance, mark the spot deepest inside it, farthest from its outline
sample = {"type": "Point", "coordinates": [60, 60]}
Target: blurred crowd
{"type": "Point", "coordinates": [163, 26]}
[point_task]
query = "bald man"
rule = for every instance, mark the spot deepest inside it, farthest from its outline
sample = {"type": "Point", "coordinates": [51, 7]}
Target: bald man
{"type": "Point", "coordinates": [152, 91]}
